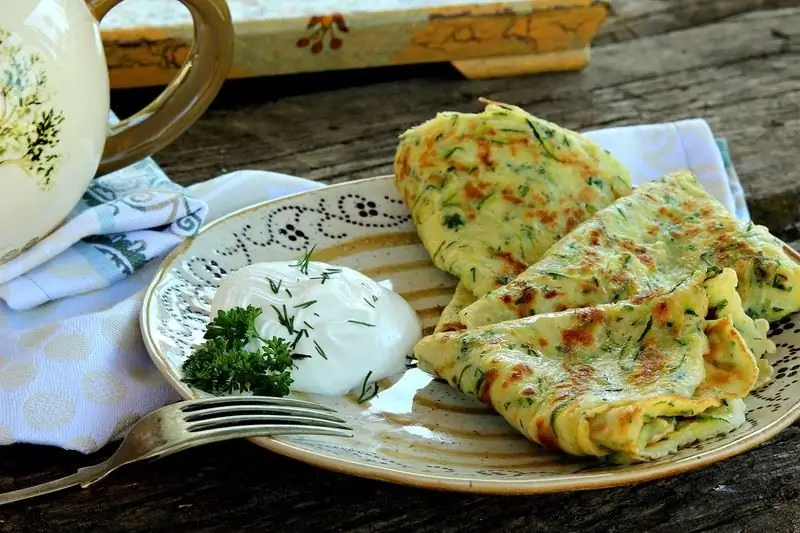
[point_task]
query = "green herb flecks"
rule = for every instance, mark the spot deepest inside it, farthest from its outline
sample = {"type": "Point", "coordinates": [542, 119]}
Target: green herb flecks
{"type": "Point", "coordinates": [367, 392]}
{"type": "Point", "coordinates": [319, 350]}
{"type": "Point", "coordinates": [274, 287]}
{"type": "Point", "coordinates": [305, 305]}
{"type": "Point", "coordinates": [448, 202]}
{"type": "Point", "coordinates": [298, 337]}
{"type": "Point", "coordinates": [284, 319]}
{"type": "Point", "coordinates": [679, 363]}
{"type": "Point", "coordinates": [780, 283]}
{"type": "Point", "coordinates": [326, 274]}
{"type": "Point", "coordinates": [594, 181]}
{"type": "Point", "coordinates": [302, 261]}
{"type": "Point", "coordinates": [646, 328]}
{"type": "Point", "coordinates": [362, 323]}
{"type": "Point", "coordinates": [540, 138]}
{"type": "Point", "coordinates": [438, 249]}
{"type": "Point", "coordinates": [483, 200]}
{"type": "Point", "coordinates": [451, 151]}
{"type": "Point", "coordinates": [503, 279]}
{"type": "Point", "coordinates": [713, 270]}
{"type": "Point", "coordinates": [453, 221]}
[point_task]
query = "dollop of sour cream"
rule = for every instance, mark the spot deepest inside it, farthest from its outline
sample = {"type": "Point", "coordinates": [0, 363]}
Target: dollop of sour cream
{"type": "Point", "coordinates": [349, 324]}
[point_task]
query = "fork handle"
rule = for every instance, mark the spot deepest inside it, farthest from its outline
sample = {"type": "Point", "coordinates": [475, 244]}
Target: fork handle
{"type": "Point", "coordinates": [83, 477]}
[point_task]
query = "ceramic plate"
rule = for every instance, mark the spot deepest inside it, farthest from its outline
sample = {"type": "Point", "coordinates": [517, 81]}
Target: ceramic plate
{"type": "Point", "coordinates": [416, 431]}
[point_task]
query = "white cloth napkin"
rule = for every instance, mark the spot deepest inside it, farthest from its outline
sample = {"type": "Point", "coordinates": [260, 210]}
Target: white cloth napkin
{"type": "Point", "coordinates": [651, 150]}
{"type": "Point", "coordinates": [74, 372]}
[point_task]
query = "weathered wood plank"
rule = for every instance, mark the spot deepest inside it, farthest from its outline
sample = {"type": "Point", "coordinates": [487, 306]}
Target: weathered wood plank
{"type": "Point", "coordinates": [633, 19]}
{"type": "Point", "coordinates": [207, 490]}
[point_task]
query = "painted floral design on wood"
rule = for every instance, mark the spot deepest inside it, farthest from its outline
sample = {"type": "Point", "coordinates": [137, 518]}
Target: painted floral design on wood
{"type": "Point", "coordinates": [326, 26]}
{"type": "Point", "coordinates": [29, 126]}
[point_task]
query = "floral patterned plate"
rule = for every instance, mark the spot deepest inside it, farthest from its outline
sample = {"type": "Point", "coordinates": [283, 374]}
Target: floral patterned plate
{"type": "Point", "coordinates": [416, 431]}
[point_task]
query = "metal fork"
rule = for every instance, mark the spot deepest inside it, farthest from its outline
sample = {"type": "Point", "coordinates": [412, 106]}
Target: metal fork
{"type": "Point", "coordinates": [187, 424]}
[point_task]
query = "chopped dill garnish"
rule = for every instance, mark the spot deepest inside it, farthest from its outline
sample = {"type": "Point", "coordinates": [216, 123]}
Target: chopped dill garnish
{"type": "Point", "coordinates": [646, 328]}
{"type": "Point", "coordinates": [298, 337]}
{"type": "Point", "coordinates": [304, 305]}
{"type": "Point", "coordinates": [366, 392]}
{"type": "Point", "coordinates": [284, 319]}
{"type": "Point", "coordinates": [362, 323]}
{"type": "Point", "coordinates": [275, 287]}
{"type": "Point", "coordinates": [320, 351]}
{"type": "Point", "coordinates": [326, 274]}
{"type": "Point", "coordinates": [302, 262]}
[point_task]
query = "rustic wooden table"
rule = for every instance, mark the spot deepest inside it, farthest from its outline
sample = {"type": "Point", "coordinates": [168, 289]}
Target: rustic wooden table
{"type": "Point", "coordinates": [734, 62]}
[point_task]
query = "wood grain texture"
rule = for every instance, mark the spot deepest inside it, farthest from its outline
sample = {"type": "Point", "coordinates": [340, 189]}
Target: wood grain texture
{"type": "Point", "coordinates": [734, 62]}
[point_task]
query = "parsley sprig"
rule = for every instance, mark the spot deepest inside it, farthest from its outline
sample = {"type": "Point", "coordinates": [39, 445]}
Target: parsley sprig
{"type": "Point", "coordinates": [224, 364]}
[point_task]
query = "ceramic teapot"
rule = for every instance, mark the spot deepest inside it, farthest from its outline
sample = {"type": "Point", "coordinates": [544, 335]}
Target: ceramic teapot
{"type": "Point", "coordinates": [55, 134]}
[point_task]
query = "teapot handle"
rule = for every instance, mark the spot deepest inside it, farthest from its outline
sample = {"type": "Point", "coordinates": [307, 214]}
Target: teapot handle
{"type": "Point", "coordinates": [186, 97]}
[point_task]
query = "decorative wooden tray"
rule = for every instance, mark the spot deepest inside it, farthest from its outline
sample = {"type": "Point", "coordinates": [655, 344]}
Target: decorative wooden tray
{"type": "Point", "coordinates": [146, 40]}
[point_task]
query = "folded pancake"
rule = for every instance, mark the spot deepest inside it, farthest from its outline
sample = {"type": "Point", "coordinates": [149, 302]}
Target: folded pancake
{"type": "Point", "coordinates": [645, 244]}
{"type": "Point", "coordinates": [491, 192]}
{"type": "Point", "coordinates": [448, 320]}
{"type": "Point", "coordinates": [723, 301]}
{"type": "Point", "coordinates": [629, 382]}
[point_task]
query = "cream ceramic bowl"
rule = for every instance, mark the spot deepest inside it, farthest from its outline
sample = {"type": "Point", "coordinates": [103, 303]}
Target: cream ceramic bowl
{"type": "Point", "coordinates": [54, 107]}
{"type": "Point", "coordinates": [417, 430]}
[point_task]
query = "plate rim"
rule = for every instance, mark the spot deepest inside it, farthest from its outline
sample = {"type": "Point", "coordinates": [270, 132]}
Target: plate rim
{"type": "Point", "coordinates": [507, 486]}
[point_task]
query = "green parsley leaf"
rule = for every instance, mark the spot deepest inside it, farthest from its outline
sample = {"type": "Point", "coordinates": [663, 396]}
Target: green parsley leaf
{"type": "Point", "coordinates": [221, 367]}
{"type": "Point", "coordinates": [223, 364]}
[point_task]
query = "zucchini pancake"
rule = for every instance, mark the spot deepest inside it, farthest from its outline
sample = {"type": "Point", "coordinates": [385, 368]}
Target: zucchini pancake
{"type": "Point", "coordinates": [647, 242]}
{"type": "Point", "coordinates": [489, 193]}
{"type": "Point", "coordinates": [597, 319]}
{"type": "Point", "coordinates": [626, 381]}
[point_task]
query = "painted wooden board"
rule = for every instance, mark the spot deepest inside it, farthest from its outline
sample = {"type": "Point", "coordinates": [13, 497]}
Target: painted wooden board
{"type": "Point", "coordinates": [146, 40]}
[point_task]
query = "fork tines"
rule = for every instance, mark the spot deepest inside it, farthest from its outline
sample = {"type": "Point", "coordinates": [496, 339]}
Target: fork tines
{"type": "Point", "coordinates": [192, 405]}
{"type": "Point", "coordinates": [249, 412]}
